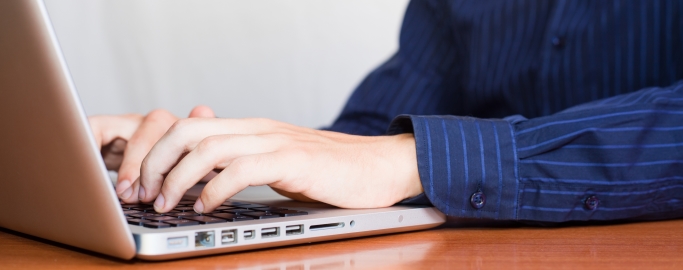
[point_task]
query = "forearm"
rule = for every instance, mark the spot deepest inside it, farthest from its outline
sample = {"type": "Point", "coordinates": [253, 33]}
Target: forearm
{"type": "Point", "coordinates": [620, 158]}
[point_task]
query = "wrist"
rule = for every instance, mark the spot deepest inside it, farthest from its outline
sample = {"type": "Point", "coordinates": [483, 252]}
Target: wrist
{"type": "Point", "coordinates": [407, 175]}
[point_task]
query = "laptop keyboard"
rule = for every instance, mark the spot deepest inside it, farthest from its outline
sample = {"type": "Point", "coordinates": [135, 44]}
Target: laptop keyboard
{"type": "Point", "coordinates": [184, 215]}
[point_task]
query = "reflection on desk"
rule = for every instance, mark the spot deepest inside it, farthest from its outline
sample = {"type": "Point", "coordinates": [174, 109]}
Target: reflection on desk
{"type": "Point", "coordinates": [636, 245]}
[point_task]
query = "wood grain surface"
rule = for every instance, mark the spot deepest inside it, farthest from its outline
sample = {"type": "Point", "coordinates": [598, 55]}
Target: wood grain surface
{"type": "Point", "coordinates": [644, 245]}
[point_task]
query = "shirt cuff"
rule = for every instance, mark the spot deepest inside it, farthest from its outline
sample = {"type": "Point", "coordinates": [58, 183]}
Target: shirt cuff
{"type": "Point", "coordinates": [467, 166]}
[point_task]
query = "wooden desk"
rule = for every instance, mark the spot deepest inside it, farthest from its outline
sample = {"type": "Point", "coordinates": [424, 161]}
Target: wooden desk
{"type": "Point", "coordinates": [647, 245]}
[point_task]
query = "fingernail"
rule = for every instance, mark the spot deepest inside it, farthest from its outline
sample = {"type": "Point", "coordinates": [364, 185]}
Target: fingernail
{"type": "Point", "coordinates": [123, 186]}
{"type": "Point", "coordinates": [199, 206]}
{"type": "Point", "coordinates": [141, 193]}
{"type": "Point", "coordinates": [159, 203]}
{"type": "Point", "coordinates": [126, 194]}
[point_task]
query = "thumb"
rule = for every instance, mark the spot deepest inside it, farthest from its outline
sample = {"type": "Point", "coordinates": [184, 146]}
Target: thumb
{"type": "Point", "coordinates": [202, 111]}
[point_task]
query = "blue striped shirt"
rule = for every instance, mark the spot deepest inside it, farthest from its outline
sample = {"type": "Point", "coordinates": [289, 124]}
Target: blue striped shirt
{"type": "Point", "coordinates": [553, 110]}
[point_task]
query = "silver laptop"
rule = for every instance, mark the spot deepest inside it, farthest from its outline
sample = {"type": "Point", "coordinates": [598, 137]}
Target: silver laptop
{"type": "Point", "coordinates": [54, 185]}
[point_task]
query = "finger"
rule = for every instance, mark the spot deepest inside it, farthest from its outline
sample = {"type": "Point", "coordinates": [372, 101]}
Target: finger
{"type": "Point", "coordinates": [184, 136]}
{"type": "Point", "coordinates": [113, 154]}
{"type": "Point", "coordinates": [118, 146]}
{"type": "Point", "coordinates": [107, 128]}
{"type": "Point", "coordinates": [130, 193]}
{"type": "Point", "coordinates": [214, 152]}
{"type": "Point", "coordinates": [202, 111]}
{"type": "Point", "coordinates": [153, 126]}
{"type": "Point", "coordinates": [254, 170]}
{"type": "Point", "coordinates": [199, 111]}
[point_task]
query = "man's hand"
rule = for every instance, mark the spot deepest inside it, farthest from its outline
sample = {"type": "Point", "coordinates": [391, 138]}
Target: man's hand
{"type": "Point", "coordinates": [338, 169]}
{"type": "Point", "coordinates": [125, 141]}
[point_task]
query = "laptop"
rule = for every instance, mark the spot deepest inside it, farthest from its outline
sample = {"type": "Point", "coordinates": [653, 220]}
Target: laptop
{"type": "Point", "coordinates": [54, 184]}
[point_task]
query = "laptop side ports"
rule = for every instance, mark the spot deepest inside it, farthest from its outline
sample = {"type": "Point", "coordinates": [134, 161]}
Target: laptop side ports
{"type": "Point", "coordinates": [270, 232]}
{"type": "Point", "coordinates": [294, 229]}
{"type": "Point", "coordinates": [228, 237]}
{"type": "Point", "coordinates": [249, 234]}
{"type": "Point", "coordinates": [204, 239]}
{"type": "Point", "coordinates": [327, 226]}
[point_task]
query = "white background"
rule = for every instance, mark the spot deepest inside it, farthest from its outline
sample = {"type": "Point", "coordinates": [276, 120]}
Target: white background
{"type": "Point", "coordinates": [295, 61]}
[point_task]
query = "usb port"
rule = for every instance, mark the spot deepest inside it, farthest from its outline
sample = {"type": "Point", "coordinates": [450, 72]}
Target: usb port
{"type": "Point", "coordinates": [294, 229]}
{"type": "Point", "coordinates": [270, 232]}
{"type": "Point", "coordinates": [228, 237]}
{"type": "Point", "coordinates": [248, 234]}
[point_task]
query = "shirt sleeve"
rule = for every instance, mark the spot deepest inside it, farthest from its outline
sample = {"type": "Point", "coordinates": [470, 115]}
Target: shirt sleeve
{"type": "Point", "coordinates": [612, 159]}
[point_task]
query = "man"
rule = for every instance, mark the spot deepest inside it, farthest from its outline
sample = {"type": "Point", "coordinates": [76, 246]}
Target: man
{"type": "Point", "coordinates": [599, 85]}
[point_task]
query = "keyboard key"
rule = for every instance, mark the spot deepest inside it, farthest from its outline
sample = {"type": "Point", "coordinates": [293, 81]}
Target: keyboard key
{"type": "Point", "coordinates": [183, 214]}
{"type": "Point", "coordinates": [146, 209]}
{"type": "Point", "coordinates": [223, 208]}
{"type": "Point", "coordinates": [143, 215]}
{"type": "Point", "coordinates": [242, 218]}
{"type": "Point", "coordinates": [230, 217]}
{"type": "Point", "coordinates": [259, 215]}
{"type": "Point", "coordinates": [222, 215]}
{"type": "Point", "coordinates": [186, 202]}
{"type": "Point", "coordinates": [268, 209]}
{"type": "Point", "coordinates": [237, 211]}
{"type": "Point", "coordinates": [229, 203]}
{"type": "Point", "coordinates": [134, 221]}
{"type": "Point", "coordinates": [130, 206]}
{"type": "Point", "coordinates": [155, 225]}
{"type": "Point", "coordinates": [184, 208]}
{"type": "Point", "coordinates": [206, 219]}
{"type": "Point", "coordinates": [162, 218]}
{"type": "Point", "coordinates": [251, 206]}
{"type": "Point", "coordinates": [181, 222]}
{"type": "Point", "coordinates": [130, 212]}
{"type": "Point", "coordinates": [290, 213]}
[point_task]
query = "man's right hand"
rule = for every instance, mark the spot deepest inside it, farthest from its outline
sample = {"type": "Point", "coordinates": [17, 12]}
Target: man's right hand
{"type": "Point", "coordinates": [125, 140]}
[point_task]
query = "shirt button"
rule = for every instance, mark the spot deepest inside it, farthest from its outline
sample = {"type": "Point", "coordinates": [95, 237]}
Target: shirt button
{"type": "Point", "coordinates": [557, 42]}
{"type": "Point", "coordinates": [592, 203]}
{"type": "Point", "coordinates": [478, 200]}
